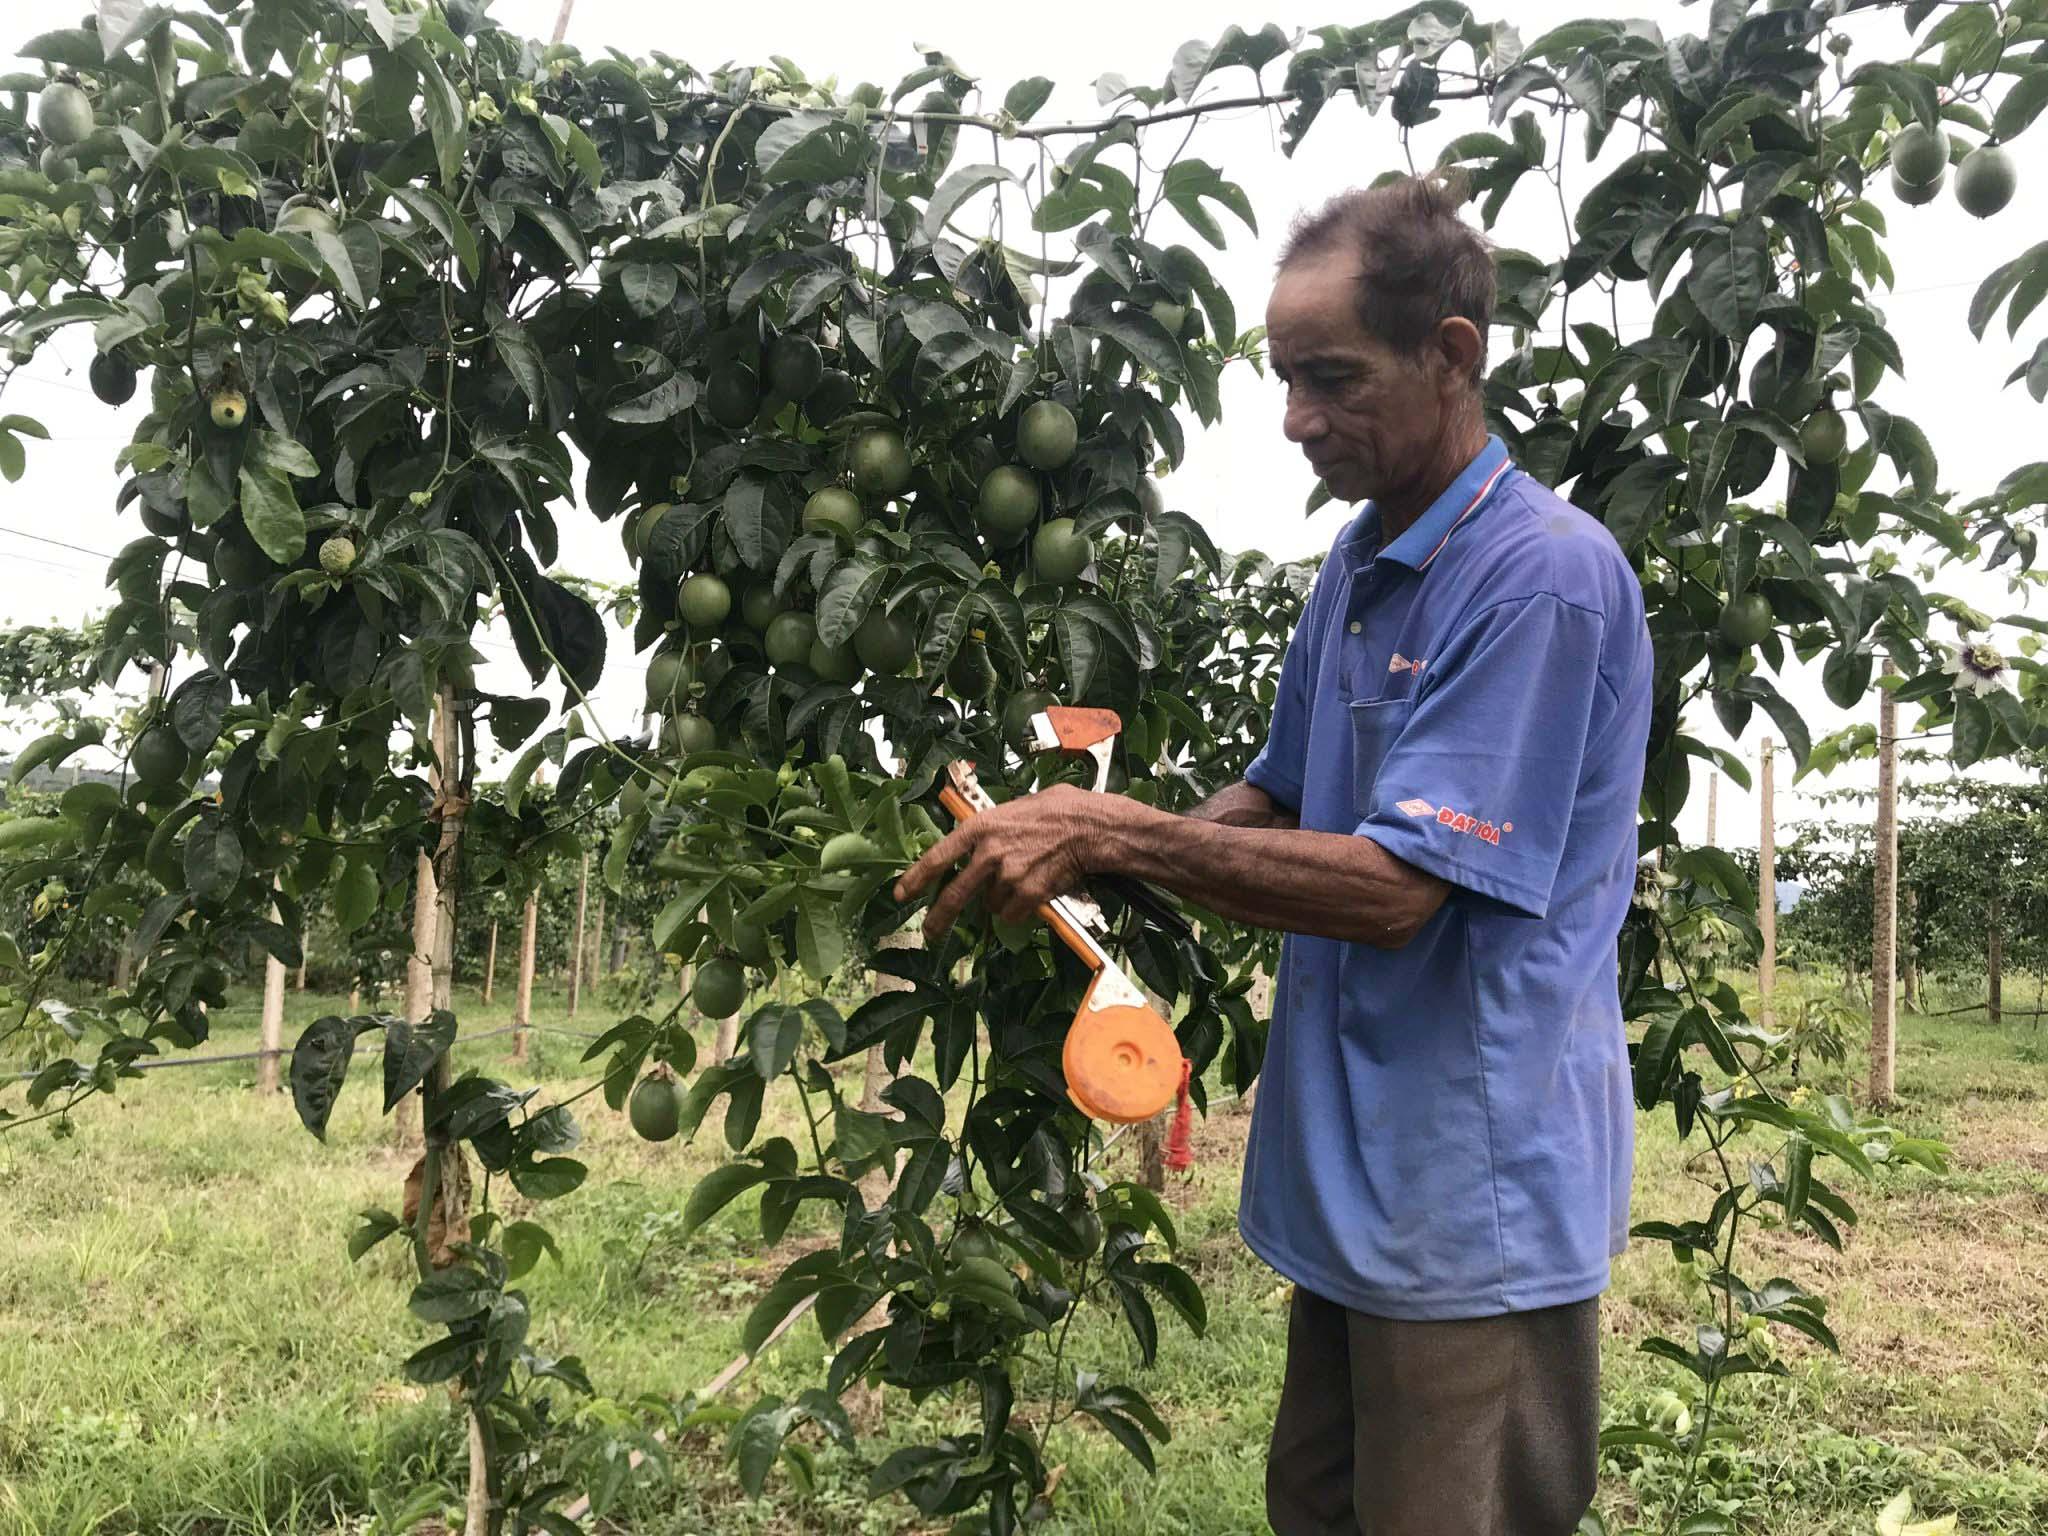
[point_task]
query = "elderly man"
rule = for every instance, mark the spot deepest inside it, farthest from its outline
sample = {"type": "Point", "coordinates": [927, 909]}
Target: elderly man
{"type": "Point", "coordinates": [1443, 821]}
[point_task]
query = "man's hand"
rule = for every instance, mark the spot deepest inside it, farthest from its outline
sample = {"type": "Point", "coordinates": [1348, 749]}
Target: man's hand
{"type": "Point", "coordinates": [1016, 857]}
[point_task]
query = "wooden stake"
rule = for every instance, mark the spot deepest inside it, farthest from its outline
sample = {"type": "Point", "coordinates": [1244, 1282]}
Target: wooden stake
{"type": "Point", "coordinates": [1713, 807]}
{"type": "Point", "coordinates": [1884, 908]}
{"type": "Point", "coordinates": [272, 1042]}
{"type": "Point", "coordinates": [562, 21]}
{"type": "Point", "coordinates": [1994, 959]}
{"type": "Point", "coordinates": [419, 982]}
{"type": "Point", "coordinates": [1767, 893]}
{"type": "Point", "coordinates": [593, 961]}
{"type": "Point", "coordinates": [491, 962]}
{"type": "Point", "coordinates": [522, 999]}
{"type": "Point", "coordinates": [576, 947]}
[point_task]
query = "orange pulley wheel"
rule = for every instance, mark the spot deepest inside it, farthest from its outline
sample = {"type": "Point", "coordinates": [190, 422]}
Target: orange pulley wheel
{"type": "Point", "coordinates": [1121, 1059]}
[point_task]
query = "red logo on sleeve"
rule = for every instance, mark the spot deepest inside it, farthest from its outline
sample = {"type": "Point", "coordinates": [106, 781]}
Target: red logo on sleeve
{"type": "Point", "coordinates": [1471, 826]}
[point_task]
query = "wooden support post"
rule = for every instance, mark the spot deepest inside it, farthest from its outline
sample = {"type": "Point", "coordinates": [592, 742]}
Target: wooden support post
{"type": "Point", "coordinates": [1994, 958]}
{"type": "Point", "coordinates": [576, 944]}
{"type": "Point", "coordinates": [1767, 892]}
{"type": "Point", "coordinates": [1713, 807]}
{"type": "Point", "coordinates": [419, 982]}
{"type": "Point", "coordinates": [522, 998]}
{"type": "Point", "coordinates": [593, 957]}
{"type": "Point", "coordinates": [490, 963]}
{"type": "Point", "coordinates": [272, 1027]}
{"type": "Point", "coordinates": [1884, 905]}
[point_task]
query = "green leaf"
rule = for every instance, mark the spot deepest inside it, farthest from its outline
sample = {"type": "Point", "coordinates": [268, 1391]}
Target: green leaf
{"type": "Point", "coordinates": [773, 1035]}
{"type": "Point", "coordinates": [2022, 104]}
{"type": "Point", "coordinates": [524, 1242]}
{"type": "Point", "coordinates": [955, 190]}
{"type": "Point", "coordinates": [522, 358]}
{"type": "Point", "coordinates": [1639, 496]}
{"type": "Point", "coordinates": [548, 1178]}
{"type": "Point", "coordinates": [848, 595]}
{"type": "Point", "coordinates": [820, 941]}
{"type": "Point", "coordinates": [1731, 272]}
{"type": "Point", "coordinates": [1798, 1176]}
{"type": "Point", "coordinates": [1846, 676]}
{"type": "Point", "coordinates": [1143, 337]}
{"type": "Point", "coordinates": [718, 1189]}
{"type": "Point", "coordinates": [674, 394]}
{"type": "Point", "coordinates": [213, 859]}
{"type": "Point", "coordinates": [440, 215]}
{"type": "Point", "coordinates": [447, 118]}
{"type": "Point", "coordinates": [356, 893]}
{"type": "Point", "coordinates": [320, 1065]}
{"type": "Point", "coordinates": [270, 511]}
{"type": "Point", "coordinates": [1656, 1054]}
{"type": "Point", "coordinates": [198, 708]}
{"type": "Point", "coordinates": [648, 287]}
{"type": "Point", "coordinates": [452, 1295]}
{"type": "Point", "coordinates": [1188, 183]}
{"type": "Point", "coordinates": [1023, 100]}
{"type": "Point", "coordinates": [410, 1051]}
{"type": "Point", "coordinates": [377, 1225]}
{"type": "Point", "coordinates": [758, 518]}
{"type": "Point", "coordinates": [442, 1360]}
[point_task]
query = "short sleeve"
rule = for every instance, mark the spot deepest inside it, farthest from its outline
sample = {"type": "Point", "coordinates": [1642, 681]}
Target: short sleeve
{"type": "Point", "coordinates": [1478, 785]}
{"type": "Point", "coordinates": [1281, 767]}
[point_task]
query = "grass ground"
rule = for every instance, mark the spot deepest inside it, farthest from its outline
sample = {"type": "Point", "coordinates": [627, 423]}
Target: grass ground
{"type": "Point", "coordinates": [184, 1348]}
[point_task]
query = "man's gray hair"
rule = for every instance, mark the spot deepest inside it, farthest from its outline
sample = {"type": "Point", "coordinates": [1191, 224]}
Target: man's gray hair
{"type": "Point", "coordinates": [1419, 262]}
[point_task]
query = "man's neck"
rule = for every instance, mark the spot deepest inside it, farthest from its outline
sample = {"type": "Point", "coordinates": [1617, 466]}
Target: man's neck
{"type": "Point", "coordinates": [1401, 510]}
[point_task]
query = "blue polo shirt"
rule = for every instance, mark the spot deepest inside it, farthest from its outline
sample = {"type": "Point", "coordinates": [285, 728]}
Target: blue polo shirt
{"type": "Point", "coordinates": [1445, 1130]}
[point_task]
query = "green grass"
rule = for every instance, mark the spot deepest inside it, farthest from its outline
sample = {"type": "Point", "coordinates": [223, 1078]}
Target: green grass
{"type": "Point", "coordinates": [184, 1347]}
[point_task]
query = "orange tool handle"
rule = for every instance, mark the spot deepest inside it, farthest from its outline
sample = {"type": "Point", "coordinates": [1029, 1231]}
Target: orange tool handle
{"type": "Point", "coordinates": [956, 804]}
{"type": "Point", "coordinates": [1080, 729]}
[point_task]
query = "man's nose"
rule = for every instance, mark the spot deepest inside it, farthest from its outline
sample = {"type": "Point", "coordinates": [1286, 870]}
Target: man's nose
{"type": "Point", "coordinates": [1303, 423]}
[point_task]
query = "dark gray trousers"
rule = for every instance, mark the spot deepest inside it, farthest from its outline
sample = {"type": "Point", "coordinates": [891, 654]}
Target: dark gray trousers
{"type": "Point", "coordinates": [1483, 1427]}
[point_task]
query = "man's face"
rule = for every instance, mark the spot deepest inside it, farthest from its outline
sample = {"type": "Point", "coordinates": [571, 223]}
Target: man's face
{"type": "Point", "coordinates": [1369, 419]}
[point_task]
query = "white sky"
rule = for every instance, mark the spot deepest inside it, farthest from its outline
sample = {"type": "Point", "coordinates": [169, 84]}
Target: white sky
{"type": "Point", "coordinates": [1243, 480]}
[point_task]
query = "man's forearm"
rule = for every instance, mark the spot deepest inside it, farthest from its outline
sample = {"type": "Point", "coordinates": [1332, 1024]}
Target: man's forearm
{"type": "Point", "coordinates": [1244, 805]}
{"type": "Point", "coordinates": [1272, 875]}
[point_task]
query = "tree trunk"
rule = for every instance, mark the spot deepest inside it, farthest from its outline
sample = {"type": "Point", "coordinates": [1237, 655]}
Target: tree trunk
{"type": "Point", "coordinates": [441, 1161]}
{"type": "Point", "coordinates": [576, 944]}
{"type": "Point", "coordinates": [1152, 1152]}
{"type": "Point", "coordinates": [491, 963]}
{"type": "Point", "coordinates": [1884, 906]}
{"type": "Point", "coordinates": [419, 981]}
{"type": "Point", "coordinates": [299, 984]}
{"type": "Point", "coordinates": [617, 957]}
{"type": "Point", "coordinates": [522, 999]}
{"type": "Point", "coordinates": [272, 1027]}
{"type": "Point", "coordinates": [1767, 894]}
{"type": "Point", "coordinates": [1152, 1133]}
{"type": "Point", "coordinates": [1994, 959]}
{"type": "Point", "coordinates": [355, 998]}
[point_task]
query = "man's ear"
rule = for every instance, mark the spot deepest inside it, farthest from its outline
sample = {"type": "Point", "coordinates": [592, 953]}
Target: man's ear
{"type": "Point", "coordinates": [1460, 345]}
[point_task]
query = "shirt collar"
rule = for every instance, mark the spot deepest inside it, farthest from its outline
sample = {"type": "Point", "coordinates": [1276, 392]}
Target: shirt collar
{"type": "Point", "coordinates": [1421, 541]}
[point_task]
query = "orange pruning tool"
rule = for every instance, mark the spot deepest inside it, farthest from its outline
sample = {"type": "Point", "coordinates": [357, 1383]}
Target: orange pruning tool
{"type": "Point", "coordinates": [1122, 1061]}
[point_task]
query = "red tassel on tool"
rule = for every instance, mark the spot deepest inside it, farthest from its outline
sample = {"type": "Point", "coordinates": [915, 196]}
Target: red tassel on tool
{"type": "Point", "coordinates": [1180, 1140]}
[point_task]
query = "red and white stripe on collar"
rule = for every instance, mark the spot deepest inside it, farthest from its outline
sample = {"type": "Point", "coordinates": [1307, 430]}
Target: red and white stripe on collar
{"type": "Point", "coordinates": [1472, 506]}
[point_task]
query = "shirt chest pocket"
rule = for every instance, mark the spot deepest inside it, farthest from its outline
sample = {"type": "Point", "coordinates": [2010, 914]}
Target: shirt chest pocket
{"type": "Point", "coordinates": [1376, 724]}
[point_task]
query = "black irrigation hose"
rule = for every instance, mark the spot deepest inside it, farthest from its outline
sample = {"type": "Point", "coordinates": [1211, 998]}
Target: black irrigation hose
{"type": "Point", "coordinates": [208, 1061]}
